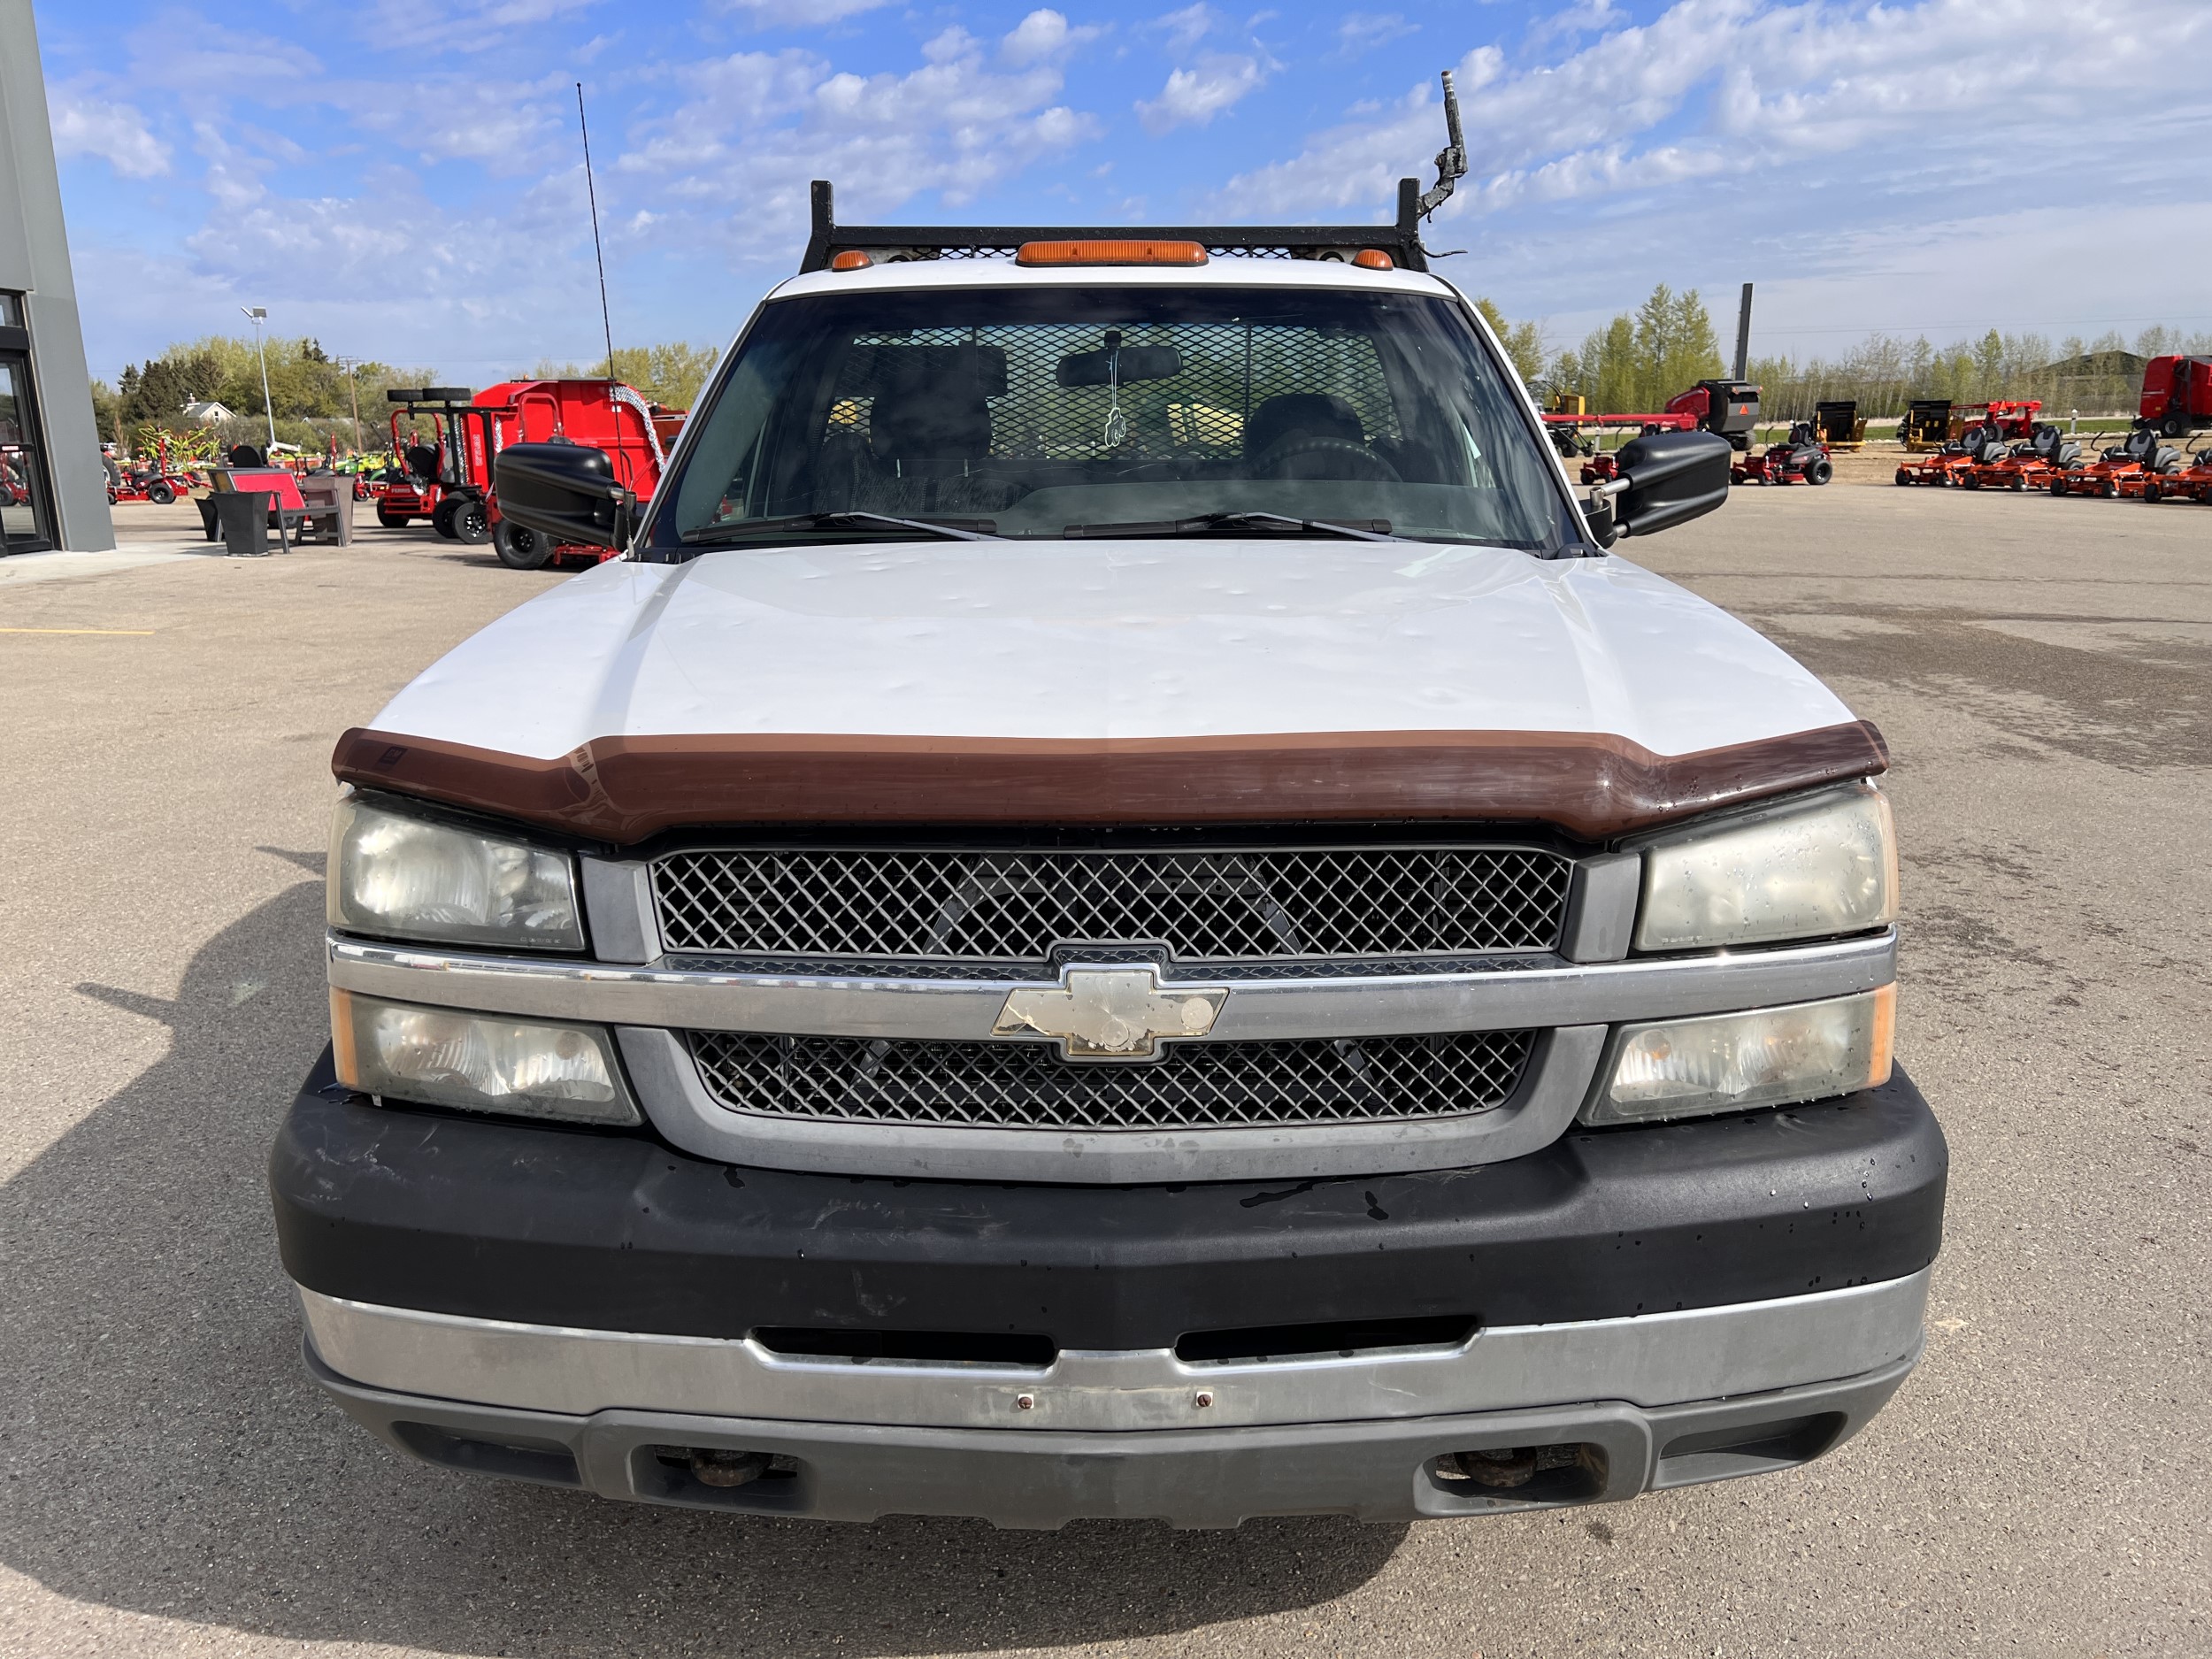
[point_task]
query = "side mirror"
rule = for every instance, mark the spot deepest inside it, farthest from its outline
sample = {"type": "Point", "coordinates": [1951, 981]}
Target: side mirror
{"type": "Point", "coordinates": [563, 490]}
{"type": "Point", "coordinates": [1665, 479]}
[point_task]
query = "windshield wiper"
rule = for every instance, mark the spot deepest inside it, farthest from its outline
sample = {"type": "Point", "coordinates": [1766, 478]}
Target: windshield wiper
{"type": "Point", "coordinates": [950, 529]}
{"type": "Point", "coordinates": [1352, 529]}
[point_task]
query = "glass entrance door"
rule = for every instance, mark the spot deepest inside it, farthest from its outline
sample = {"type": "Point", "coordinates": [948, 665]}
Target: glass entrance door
{"type": "Point", "coordinates": [27, 520]}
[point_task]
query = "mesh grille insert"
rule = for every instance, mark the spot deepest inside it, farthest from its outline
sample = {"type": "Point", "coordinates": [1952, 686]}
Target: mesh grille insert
{"type": "Point", "coordinates": [1026, 1085]}
{"type": "Point", "coordinates": [1241, 905]}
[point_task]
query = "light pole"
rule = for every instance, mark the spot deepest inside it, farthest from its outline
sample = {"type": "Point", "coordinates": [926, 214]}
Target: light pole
{"type": "Point", "coordinates": [353, 392]}
{"type": "Point", "coordinates": [260, 315]}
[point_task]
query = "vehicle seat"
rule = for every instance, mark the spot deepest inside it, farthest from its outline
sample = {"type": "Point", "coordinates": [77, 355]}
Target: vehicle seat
{"type": "Point", "coordinates": [932, 406]}
{"type": "Point", "coordinates": [423, 461]}
{"type": "Point", "coordinates": [2141, 444]}
{"type": "Point", "coordinates": [1295, 415]}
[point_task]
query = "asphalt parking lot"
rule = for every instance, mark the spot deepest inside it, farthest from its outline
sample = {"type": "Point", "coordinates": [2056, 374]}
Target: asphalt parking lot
{"type": "Point", "coordinates": [2043, 671]}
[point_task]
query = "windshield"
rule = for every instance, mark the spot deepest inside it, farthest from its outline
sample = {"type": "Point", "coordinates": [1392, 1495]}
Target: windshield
{"type": "Point", "coordinates": [1048, 411]}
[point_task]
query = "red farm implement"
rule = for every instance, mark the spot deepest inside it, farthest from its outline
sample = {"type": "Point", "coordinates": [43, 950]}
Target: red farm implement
{"type": "Point", "coordinates": [158, 479]}
{"type": "Point", "coordinates": [1728, 408]}
{"type": "Point", "coordinates": [444, 463]}
{"type": "Point", "coordinates": [1575, 437]}
{"type": "Point", "coordinates": [454, 435]}
{"type": "Point", "coordinates": [598, 414]}
{"type": "Point", "coordinates": [2176, 396]}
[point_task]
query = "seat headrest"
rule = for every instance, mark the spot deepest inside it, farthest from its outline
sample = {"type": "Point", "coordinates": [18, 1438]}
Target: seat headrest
{"type": "Point", "coordinates": [1301, 415]}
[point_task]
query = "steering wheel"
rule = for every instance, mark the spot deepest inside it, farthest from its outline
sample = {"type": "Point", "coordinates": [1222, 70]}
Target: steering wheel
{"type": "Point", "coordinates": [1316, 456]}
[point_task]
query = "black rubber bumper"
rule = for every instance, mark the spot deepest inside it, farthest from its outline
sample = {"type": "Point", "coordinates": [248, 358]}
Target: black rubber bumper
{"type": "Point", "coordinates": [510, 1221]}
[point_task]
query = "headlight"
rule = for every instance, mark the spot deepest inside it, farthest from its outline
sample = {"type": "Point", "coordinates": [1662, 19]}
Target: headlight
{"type": "Point", "coordinates": [412, 877]}
{"type": "Point", "coordinates": [442, 1057]}
{"type": "Point", "coordinates": [1770, 1056]}
{"type": "Point", "coordinates": [1802, 869]}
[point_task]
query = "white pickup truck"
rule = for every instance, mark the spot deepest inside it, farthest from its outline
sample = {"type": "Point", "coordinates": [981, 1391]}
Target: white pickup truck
{"type": "Point", "coordinates": [1117, 909]}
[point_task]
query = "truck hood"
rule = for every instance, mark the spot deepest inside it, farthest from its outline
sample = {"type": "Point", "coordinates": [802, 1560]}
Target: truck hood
{"type": "Point", "coordinates": [1084, 650]}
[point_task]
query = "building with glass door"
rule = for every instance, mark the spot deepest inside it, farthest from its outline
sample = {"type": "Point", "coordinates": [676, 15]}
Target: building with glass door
{"type": "Point", "coordinates": [53, 489]}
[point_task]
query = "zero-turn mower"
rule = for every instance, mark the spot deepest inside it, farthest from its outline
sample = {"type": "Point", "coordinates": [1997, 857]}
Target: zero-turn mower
{"type": "Point", "coordinates": [2170, 475]}
{"type": "Point", "coordinates": [2030, 465]}
{"type": "Point", "coordinates": [1800, 458]}
{"type": "Point", "coordinates": [1943, 467]}
{"type": "Point", "coordinates": [2139, 453]}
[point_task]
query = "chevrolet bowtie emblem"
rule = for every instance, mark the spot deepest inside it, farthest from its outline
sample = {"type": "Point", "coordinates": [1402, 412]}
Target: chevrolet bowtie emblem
{"type": "Point", "coordinates": [1110, 1013]}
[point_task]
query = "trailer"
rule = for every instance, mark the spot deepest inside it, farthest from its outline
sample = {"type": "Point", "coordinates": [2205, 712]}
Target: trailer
{"type": "Point", "coordinates": [598, 414]}
{"type": "Point", "coordinates": [2176, 396]}
{"type": "Point", "coordinates": [448, 479]}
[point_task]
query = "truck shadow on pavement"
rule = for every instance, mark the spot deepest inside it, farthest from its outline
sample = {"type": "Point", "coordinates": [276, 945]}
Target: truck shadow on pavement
{"type": "Point", "coordinates": [167, 1456]}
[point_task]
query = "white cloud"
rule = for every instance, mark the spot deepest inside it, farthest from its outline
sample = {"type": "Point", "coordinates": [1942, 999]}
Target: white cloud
{"type": "Point", "coordinates": [1362, 31]}
{"type": "Point", "coordinates": [1715, 87]}
{"type": "Point", "coordinates": [1043, 35]}
{"type": "Point", "coordinates": [116, 133]}
{"type": "Point", "coordinates": [1193, 96]}
{"type": "Point", "coordinates": [1183, 29]}
{"type": "Point", "coordinates": [736, 152]}
{"type": "Point", "coordinates": [799, 14]}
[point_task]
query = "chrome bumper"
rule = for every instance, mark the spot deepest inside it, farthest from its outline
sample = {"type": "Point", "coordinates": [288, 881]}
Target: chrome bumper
{"type": "Point", "coordinates": [1653, 1401]}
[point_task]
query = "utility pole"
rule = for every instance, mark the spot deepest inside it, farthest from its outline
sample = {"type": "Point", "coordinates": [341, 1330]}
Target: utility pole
{"type": "Point", "coordinates": [353, 391]}
{"type": "Point", "coordinates": [260, 315]}
{"type": "Point", "coordinates": [1743, 333]}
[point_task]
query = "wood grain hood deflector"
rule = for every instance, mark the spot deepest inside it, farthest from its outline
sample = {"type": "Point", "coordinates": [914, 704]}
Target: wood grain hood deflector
{"type": "Point", "coordinates": [623, 789]}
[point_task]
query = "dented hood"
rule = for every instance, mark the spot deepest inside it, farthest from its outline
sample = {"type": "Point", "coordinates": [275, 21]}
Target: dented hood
{"type": "Point", "coordinates": [1002, 653]}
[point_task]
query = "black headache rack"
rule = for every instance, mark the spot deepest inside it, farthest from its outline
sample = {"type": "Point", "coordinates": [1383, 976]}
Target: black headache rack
{"type": "Point", "coordinates": [892, 243]}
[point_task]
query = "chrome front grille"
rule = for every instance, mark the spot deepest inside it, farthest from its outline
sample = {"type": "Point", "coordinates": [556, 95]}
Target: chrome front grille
{"type": "Point", "coordinates": [1027, 1086]}
{"type": "Point", "coordinates": [1204, 904]}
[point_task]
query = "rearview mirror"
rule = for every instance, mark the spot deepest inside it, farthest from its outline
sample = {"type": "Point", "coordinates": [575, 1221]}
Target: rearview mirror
{"type": "Point", "coordinates": [1665, 479]}
{"type": "Point", "coordinates": [563, 490]}
{"type": "Point", "coordinates": [1138, 362]}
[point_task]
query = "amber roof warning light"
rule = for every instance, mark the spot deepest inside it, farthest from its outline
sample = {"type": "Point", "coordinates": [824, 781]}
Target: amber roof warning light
{"type": "Point", "coordinates": [1131, 250]}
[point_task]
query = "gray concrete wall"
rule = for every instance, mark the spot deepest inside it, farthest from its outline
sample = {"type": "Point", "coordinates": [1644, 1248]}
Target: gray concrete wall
{"type": "Point", "coordinates": [34, 259]}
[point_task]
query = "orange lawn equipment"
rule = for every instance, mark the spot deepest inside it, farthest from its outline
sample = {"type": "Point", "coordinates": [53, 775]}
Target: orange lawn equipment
{"type": "Point", "coordinates": [2170, 476]}
{"type": "Point", "coordinates": [1943, 467]}
{"type": "Point", "coordinates": [2030, 465]}
{"type": "Point", "coordinates": [2137, 453]}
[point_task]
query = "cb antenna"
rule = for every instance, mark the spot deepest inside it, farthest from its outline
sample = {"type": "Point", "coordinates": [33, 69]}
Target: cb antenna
{"type": "Point", "coordinates": [591, 192]}
{"type": "Point", "coordinates": [1451, 161]}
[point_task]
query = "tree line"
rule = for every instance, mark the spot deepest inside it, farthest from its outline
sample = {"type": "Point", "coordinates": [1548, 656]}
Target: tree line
{"type": "Point", "coordinates": [1633, 364]}
{"type": "Point", "coordinates": [314, 394]}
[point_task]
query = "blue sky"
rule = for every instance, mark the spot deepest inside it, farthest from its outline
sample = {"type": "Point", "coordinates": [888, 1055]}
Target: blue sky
{"type": "Point", "coordinates": [401, 177]}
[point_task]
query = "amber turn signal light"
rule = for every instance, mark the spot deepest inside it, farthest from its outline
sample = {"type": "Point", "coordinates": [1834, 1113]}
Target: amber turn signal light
{"type": "Point", "coordinates": [1374, 259]}
{"type": "Point", "coordinates": [1133, 251]}
{"type": "Point", "coordinates": [852, 259]}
